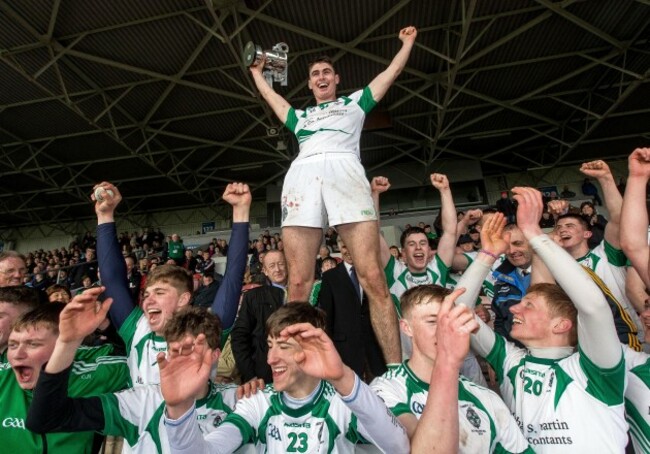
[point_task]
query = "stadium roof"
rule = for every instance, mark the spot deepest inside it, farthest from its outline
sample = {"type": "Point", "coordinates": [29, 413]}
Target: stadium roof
{"type": "Point", "coordinates": [153, 96]}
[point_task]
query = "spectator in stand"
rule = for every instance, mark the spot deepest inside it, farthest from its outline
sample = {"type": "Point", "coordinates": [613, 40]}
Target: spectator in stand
{"type": "Point", "coordinates": [394, 251]}
{"type": "Point", "coordinates": [212, 250]}
{"type": "Point", "coordinates": [590, 190]}
{"type": "Point", "coordinates": [176, 250]}
{"type": "Point", "coordinates": [596, 221]}
{"type": "Point", "coordinates": [506, 206]}
{"type": "Point", "coordinates": [134, 277]}
{"type": "Point", "coordinates": [327, 264]}
{"type": "Point", "coordinates": [58, 294]}
{"type": "Point", "coordinates": [323, 253]}
{"type": "Point", "coordinates": [466, 244]}
{"type": "Point", "coordinates": [475, 236]}
{"type": "Point", "coordinates": [12, 268]}
{"type": "Point", "coordinates": [88, 268]}
{"type": "Point", "coordinates": [257, 251]}
{"type": "Point", "coordinates": [547, 220]}
{"type": "Point", "coordinates": [190, 261]}
{"type": "Point", "coordinates": [204, 295]}
{"type": "Point", "coordinates": [331, 238]}
{"type": "Point", "coordinates": [566, 193]}
{"type": "Point", "coordinates": [88, 241]}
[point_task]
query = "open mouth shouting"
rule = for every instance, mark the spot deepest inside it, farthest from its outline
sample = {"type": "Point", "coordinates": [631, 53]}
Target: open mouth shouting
{"type": "Point", "coordinates": [26, 376]}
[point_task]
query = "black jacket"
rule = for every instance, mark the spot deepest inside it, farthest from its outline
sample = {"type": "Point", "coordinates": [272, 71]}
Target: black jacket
{"type": "Point", "coordinates": [348, 323]}
{"type": "Point", "coordinates": [248, 335]}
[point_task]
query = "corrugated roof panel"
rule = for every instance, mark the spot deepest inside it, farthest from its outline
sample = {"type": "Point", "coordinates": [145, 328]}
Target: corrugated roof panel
{"type": "Point", "coordinates": [77, 16]}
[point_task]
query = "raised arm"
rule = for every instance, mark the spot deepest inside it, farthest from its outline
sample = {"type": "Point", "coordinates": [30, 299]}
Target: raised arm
{"type": "Point", "coordinates": [596, 333]}
{"type": "Point", "coordinates": [226, 300]}
{"type": "Point", "coordinates": [277, 103]}
{"type": "Point", "coordinates": [379, 185]}
{"type": "Point", "coordinates": [613, 200]}
{"type": "Point", "coordinates": [634, 217]}
{"type": "Point", "coordinates": [52, 410]}
{"type": "Point", "coordinates": [447, 243]}
{"type": "Point", "coordinates": [110, 258]}
{"type": "Point", "coordinates": [380, 84]}
{"type": "Point", "coordinates": [460, 262]}
{"type": "Point", "coordinates": [437, 430]}
{"type": "Point", "coordinates": [494, 242]}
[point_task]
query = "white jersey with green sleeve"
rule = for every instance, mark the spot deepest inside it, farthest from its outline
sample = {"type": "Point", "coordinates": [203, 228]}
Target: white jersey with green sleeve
{"type": "Point", "coordinates": [609, 264]}
{"type": "Point", "coordinates": [567, 405]}
{"type": "Point", "coordinates": [400, 279]}
{"type": "Point", "coordinates": [488, 282]}
{"type": "Point", "coordinates": [333, 126]}
{"type": "Point", "coordinates": [637, 398]}
{"type": "Point", "coordinates": [326, 425]}
{"type": "Point", "coordinates": [142, 348]}
{"type": "Point", "coordinates": [137, 415]}
{"type": "Point", "coordinates": [485, 423]}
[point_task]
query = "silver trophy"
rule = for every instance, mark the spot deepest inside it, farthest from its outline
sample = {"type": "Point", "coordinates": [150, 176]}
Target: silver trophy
{"type": "Point", "coordinates": [276, 64]}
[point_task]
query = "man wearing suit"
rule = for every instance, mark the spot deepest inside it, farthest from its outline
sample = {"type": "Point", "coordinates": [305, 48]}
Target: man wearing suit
{"type": "Point", "coordinates": [348, 318]}
{"type": "Point", "coordinates": [248, 336]}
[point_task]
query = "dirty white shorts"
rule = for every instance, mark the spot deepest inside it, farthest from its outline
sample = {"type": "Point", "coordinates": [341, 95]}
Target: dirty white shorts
{"type": "Point", "coordinates": [326, 187]}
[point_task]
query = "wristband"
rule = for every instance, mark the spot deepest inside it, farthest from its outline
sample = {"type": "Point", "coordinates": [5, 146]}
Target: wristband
{"type": "Point", "coordinates": [494, 256]}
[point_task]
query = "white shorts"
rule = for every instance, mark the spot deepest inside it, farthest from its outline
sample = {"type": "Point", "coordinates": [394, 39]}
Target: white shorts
{"type": "Point", "coordinates": [326, 187]}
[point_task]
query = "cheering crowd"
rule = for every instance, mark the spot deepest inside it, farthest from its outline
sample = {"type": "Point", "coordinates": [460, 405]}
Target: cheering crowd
{"type": "Point", "coordinates": [390, 347]}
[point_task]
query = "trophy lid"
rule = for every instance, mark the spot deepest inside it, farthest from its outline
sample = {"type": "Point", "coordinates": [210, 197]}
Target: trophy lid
{"type": "Point", "coordinates": [250, 53]}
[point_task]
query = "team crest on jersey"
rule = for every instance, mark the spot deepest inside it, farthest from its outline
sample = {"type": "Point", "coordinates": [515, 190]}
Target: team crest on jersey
{"type": "Point", "coordinates": [473, 418]}
{"type": "Point", "coordinates": [217, 421]}
{"type": "Point", "coordinates": [274, 432]}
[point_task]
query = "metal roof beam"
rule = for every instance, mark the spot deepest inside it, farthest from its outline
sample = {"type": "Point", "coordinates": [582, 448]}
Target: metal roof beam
{"type": "Point", "coordinates": [560, 10]}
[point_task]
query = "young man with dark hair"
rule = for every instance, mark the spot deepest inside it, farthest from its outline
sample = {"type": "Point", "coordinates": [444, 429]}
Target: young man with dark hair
{"type": "Point", "coordinates": [31, 344]}
{"type": "Point", "coordinates": [606, 260]}
{"type": "Point", "coordinates": [414, 389]}
{"type": "Point", "coordinates": [136, 413]}
{"type": "Point", "coordinates": [316, 404]}
{"type": "Point", "coordinates": [564, 400]}
{"type": "Point", "coordinates": [328, 135]}
{"type": "Point", "coordinates": [168, 287]}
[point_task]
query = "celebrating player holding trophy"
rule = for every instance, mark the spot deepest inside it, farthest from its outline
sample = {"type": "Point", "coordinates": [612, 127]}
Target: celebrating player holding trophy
{"type": "Point", "coordinates": [327, 180]}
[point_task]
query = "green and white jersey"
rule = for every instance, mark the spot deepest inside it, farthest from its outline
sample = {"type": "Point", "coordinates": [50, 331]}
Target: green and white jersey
{"type": "Point", "coordinates": [485, 423]}
{"type": "Point", "coordinates": [142, 348]}
{"type": "Point", "coordinates": [324, 426]}
{"type": "Point", "coordinates": [637, 398]}
{"type": "Point", "coordinates": [92, 373]}
{"type": "Point", "coordinates": [4, 362]}
{"type": "Point", "coordinates": [488, 282]}
{"type": "Point", "coordinates": [566, 405]}
{"type": "Point", "coordinates": [137, 415]}
{"type": "Point", "coordinates": [333, 126]}
{"type": "Point", "coordinates": [400, 279]}
{"type": "Point", "coordinates": [609, 264]}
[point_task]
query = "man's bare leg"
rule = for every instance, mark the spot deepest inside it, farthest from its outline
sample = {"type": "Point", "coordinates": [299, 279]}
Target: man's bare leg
{"type": "Point", "coordinates": [300, 249]}
{"type": "Point", "coordinates": [362, 240]}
